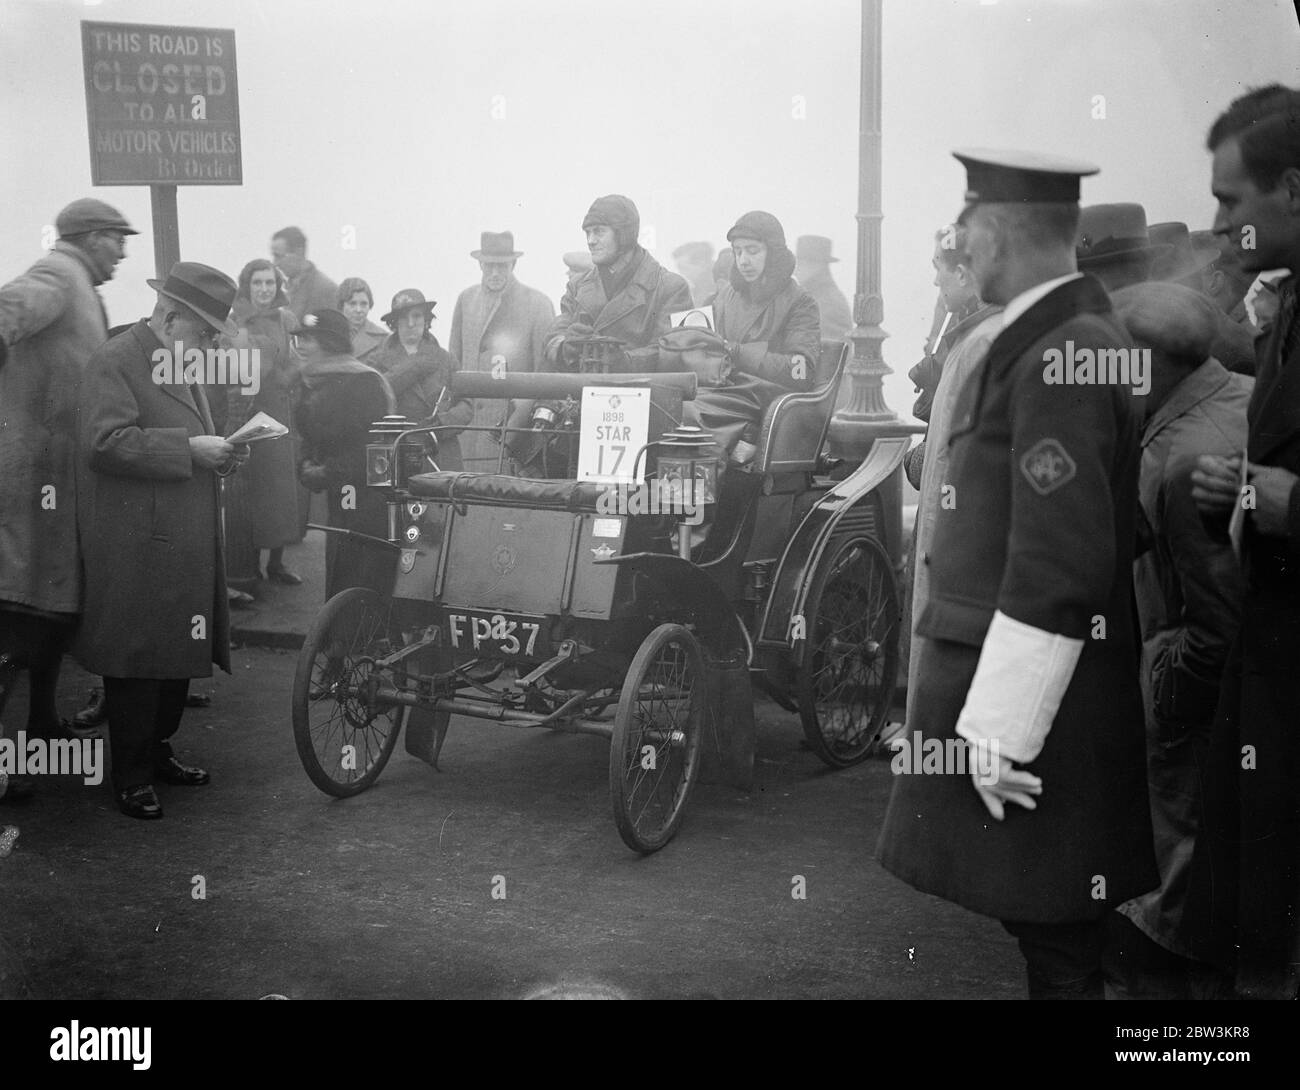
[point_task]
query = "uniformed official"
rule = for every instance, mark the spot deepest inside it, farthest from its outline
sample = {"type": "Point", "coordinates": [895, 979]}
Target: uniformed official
{"type": "Point", "coordinates": [1041, 819]}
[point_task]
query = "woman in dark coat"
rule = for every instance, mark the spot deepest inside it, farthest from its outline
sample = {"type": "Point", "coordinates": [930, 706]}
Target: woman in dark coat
{"type": "Point", "coordinates": [418, 368]}
{"type": "Point", "coordinates": [773, 334]}
{"type": "Point", "coordinates": [341, 398]}
{"type": "Point", "coordinates": [269, 482]}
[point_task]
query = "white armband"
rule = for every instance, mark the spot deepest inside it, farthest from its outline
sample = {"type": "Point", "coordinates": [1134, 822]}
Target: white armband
{"type": "Point", "coordinates": [1022, 675]}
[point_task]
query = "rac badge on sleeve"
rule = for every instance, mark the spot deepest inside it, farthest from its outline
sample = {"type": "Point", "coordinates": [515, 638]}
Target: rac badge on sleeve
{"type": "Point", "coordinates": [1047, 466]}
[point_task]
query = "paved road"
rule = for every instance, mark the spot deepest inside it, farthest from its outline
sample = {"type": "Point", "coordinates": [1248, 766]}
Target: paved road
{"type": "Point", "coordinates": [390, 894]}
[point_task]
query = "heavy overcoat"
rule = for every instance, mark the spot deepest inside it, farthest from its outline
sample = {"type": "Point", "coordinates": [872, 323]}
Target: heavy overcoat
{"type": "Point", "coordinates": [334, 417]}
{"type": "Point", "coordinates": [960, 363]}
{"type": "Point", "coordinates": [1244, 907]}
{"type": "Point", "coordinates": [771, 331]}
{"type": "Point", "coordinates": [836, 316]}
{"type": "Point", "coordinates": [417, 380]}
{"type": "Point", "coordinates": [271, 475]}
{"type": "Point", "coordinates": [148, 521]}
{"type": "Point", "coordinates": [1189, 592]}
{"type": "Point", "coordinates": [51, 321]}
{"type": "Point", "coordinates": [638, 315]}
{"type": "Point", "coordinates": [311, 291]}
{"type": "Point", "coordinates": [510, 325]}
{"type": "Point", "coordinates": [1042, 530]}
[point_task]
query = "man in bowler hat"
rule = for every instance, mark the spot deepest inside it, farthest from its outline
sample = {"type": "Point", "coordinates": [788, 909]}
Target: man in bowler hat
{"type": "Point", "coordinates": [148, 521]}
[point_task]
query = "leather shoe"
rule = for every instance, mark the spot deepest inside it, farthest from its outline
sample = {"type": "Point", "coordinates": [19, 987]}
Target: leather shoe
{"type": "Point", "coordinates": [198, 700]}
{"type": "Point", "coordinates": [178, 775]}
{"type": "Point", "coordinates": [94, 714]}
{"type": "Point", "coordinates": [140, 802]}
{"type": "Point", "coordinates": [283, 575]}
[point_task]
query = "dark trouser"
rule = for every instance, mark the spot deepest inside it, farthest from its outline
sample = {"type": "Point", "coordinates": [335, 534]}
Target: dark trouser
{"type": "Point", "coordinates": [35, 643]}
{"type": "Point", "coordinates": [142, 714]}
{"type": "Point", "coordinates": [1062, 960]}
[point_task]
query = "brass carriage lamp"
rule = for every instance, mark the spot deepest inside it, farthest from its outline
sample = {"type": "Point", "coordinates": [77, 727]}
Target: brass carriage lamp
{"type": "Point", "coordinates": [382, 457]}
{"type": "Point", "coordinates": [687, 472]}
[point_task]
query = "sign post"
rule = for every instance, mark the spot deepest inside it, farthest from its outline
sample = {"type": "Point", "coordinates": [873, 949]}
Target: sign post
{"type": "Point", "coordinates": [162, 104]}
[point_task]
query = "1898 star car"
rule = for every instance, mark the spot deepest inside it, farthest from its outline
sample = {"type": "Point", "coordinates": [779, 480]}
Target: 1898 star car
{"type": "Point", "coordinates": [585, 605]}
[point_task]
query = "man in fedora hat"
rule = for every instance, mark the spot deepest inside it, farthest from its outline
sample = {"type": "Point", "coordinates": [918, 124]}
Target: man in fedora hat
{"type": "Point", "coordinates": [1040, 820]}
{"type": "Point", "coordinates": [51, 320]}
{"type": "Point", "coordinates": [148, 521]}
{"type": "Point", "coordinates": [500, 326]}
{"type": "Point", "coordinates": [1115, 246]}
{"type": "Point", "coordinates": [418, 369]}
{"type": "Point", "coordinates": [813, 260]}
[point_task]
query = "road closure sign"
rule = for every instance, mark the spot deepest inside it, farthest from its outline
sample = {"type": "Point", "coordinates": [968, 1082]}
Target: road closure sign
{"type": "Point", "coordinates": [163, 105]}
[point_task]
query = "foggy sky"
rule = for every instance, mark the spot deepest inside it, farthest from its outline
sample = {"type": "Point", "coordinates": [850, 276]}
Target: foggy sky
{"type": "Point", "coordinates": [379, 117]}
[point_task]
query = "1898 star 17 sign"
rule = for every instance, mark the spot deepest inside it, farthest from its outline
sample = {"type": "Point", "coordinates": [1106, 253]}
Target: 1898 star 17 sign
{"type": "Point", "coordinates": [163, 105]}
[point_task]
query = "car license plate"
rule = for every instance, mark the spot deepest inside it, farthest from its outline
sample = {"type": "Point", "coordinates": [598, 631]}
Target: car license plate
{"type": "Point", "coordinates": [509, 634]}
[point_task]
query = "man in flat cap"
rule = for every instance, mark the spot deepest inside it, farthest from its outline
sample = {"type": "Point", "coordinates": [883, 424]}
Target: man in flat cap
{"type": "Point", "coordinates": [499, 326]}
{"type": "Point", "coordinates": [1041, 819]}
{"type": "Point", "coordinates": [51, 320]}
{"type": "Point", "coordinates": [1244, 905]}
{"type": "Point", "coordinates": [148, 520]}
{"type": "Point", "coordinates": [1189, 593]}
{"type": "Point", "coordinates": [627, 295]}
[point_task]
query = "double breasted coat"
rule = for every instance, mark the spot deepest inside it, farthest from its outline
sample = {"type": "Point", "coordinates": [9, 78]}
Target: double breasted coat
{"type": "Point", "coordinates": [1243, 910]}
{"type": "Point", "coordinates": [148, 521]}
{"type": "Point", "coordinates": [51, 322]}
{"type": "Point", "coordinates": [638, 314]}
{"type": "Point", "coordinates": [1042, 531]}
{"type": "Point", "coordinates": [508, 326]}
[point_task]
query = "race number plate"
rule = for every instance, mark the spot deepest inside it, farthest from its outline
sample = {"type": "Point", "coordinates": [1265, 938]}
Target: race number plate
{"type": "Point", "coordinates": [511, 635]}
{"type": "Point", "coordinates": [615, 425]}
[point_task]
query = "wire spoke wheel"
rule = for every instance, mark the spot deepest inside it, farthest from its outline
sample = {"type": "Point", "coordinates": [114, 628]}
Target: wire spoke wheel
{"type": "Point", "coordinates": [845, 683]}
{"type": "Point", "coordinates": [343, 739]}
{"type": "Point", "coordinates": [654, 754]}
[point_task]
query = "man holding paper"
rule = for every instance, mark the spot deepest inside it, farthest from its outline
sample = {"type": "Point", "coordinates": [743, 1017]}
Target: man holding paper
{"type": "Point", "coordinates": [148, 520]}
{"type": "Point", "coordinates": [1244, 903]}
